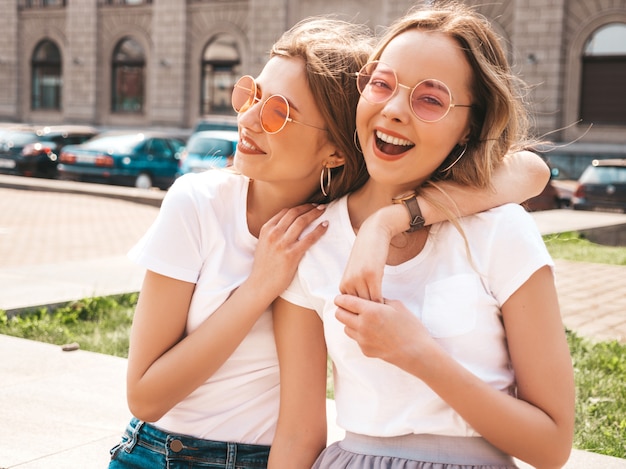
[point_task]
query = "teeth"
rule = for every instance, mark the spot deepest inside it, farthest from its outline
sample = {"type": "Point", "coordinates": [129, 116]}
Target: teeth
{"type": "Point", "coordinates": [248, 145]}
{"type": "Point", "coordinates": [393, 140]}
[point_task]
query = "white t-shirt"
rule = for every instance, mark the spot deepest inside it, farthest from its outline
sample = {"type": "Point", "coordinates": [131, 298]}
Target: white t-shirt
{"type": "Point", "coordinates": [459, 307]}
{"type": "Point", "coordinates": [201, 236]}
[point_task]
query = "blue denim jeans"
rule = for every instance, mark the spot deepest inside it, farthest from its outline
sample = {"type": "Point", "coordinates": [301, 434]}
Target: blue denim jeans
{"type": "Point", "coordinates": [145, 446]}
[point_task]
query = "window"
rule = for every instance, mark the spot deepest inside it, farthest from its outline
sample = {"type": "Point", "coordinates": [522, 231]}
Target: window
{"type": "Point", "coordinates": [128, 77]}
{"type": "Point", "coordinates": [124, 2]}
{"type": "Point", "coordinates": [24, 4]}
{"type": "Point", "coordinates": [603, 97]}
{"type": "Point", "coordinates": [46, 78]}
{"type": "Point", "coordinates": [220, 70]}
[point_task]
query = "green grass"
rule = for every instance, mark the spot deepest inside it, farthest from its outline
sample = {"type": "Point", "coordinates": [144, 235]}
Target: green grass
{"type": "Point", "coordinates": [600, 374]}
{"type": "Point", "coordinates": [102, 325]}
{"type": "Point", "coordinates": [573, 246]}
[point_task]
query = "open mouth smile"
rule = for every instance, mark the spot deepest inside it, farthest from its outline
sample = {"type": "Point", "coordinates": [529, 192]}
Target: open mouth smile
{"type": "Point", "coordinates": [392, 145]}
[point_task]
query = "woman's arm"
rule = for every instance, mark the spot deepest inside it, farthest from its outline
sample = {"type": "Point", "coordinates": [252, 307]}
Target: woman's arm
{"type": "Point", "coordinates": [537, 425]}
{"type": "Point", "coordinates": [301, 432]}
{"type": "Point", "coordinates": [519, 177]}
{"type": "Point", "coordinates": [164, 364]}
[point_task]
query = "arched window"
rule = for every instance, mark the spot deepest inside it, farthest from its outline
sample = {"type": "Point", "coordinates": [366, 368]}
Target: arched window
{"type": "Point", "coordinates": [47, 79]}
{"type": "Point", "coordinates": [220, 69]}
{"type": "Point", "coordinates": [603, 96]}
{"type": "Point", "coordinates": [129, 62]}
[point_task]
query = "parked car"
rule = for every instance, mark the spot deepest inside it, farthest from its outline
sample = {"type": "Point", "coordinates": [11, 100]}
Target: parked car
{"type": "Point", "coordinates": [557, 194]}
{"type": "Point", "coordinates": [208, 149]}
{"type": "Point", "coordinates": [141, 159]}
{"type": "Point", "coordinates": [602, 186]}
{"type": "Point", "coordinates": [34, 151]}
{"type": "Point", "coordinates": [215, 122]}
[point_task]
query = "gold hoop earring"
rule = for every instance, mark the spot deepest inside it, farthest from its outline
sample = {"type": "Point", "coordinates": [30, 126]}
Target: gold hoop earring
{"type": "Point", "coordinates": [355, 137]}
{"type": "Point", "coordinates": [325, 187]}
{"type": "Point", "coordinates": [455, 161]}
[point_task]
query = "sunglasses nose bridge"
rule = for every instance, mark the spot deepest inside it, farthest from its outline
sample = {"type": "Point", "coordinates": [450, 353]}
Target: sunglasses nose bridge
{"type": "Point", "coordinates": [396, 98]}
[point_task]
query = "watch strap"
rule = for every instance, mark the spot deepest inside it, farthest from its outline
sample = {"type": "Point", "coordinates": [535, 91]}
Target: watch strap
{"type": "Point", "coordinates": [416, 219]}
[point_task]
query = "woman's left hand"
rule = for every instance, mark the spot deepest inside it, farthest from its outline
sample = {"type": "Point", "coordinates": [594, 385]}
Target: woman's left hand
{"type": "Point", "coordinates": [388, 330]}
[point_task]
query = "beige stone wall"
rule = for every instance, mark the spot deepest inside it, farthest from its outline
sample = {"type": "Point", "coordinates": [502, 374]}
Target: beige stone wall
{"type": "Point", "coordinates": [80, 64]}
{"type": "Point", "coordinates": [9, 61]}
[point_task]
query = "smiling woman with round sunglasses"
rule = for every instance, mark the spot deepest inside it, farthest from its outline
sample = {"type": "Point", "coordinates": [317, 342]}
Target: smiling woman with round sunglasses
{"type": "Point", "coordinates": [203, 377]}
{"type": "Point", "coordinates": [460, 360]}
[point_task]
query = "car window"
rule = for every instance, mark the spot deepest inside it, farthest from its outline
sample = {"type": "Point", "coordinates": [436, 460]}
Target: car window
{"type": "Point", "coordinates": [604, 175]}
{"type": "Point", "coordinates": [114, 143]}
{"type": "Point", "coordinates": [210, 147]}
{"type": "Point", "coordinates": [176, 144]}
{"type": "Point", "coordinates": [620, 176]}
{"type": "Point", "coordinates": [159, 148]}
{"type": "Point", "coordinates": [19, 139]}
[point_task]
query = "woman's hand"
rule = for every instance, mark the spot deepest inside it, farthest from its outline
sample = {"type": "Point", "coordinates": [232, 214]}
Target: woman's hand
{"type": "Point", "coordinates": [282, 245]}
{"type": "Point", "coordinates": [388, 330]}
{"type": "Point", "coordinates": [363, 274]}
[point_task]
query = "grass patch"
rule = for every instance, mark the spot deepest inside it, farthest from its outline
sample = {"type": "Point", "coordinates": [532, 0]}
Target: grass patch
{"type": "Point", "coordinates": [600, 374]}
{"type": "Point", "coordinates": [573, 246]}
{"type": "Point", "coordinates": [102, 325]}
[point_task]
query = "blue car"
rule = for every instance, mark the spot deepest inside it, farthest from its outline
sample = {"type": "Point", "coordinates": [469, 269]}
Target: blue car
{"type": "Point", "coordinates": [140, 159]}
{"type": "Point", "coordinates": [208, 149]}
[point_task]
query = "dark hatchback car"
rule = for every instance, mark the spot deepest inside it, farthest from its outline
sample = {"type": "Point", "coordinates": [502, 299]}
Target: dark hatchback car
{"type": "Point", "coordinates": [602, 186]}
{"type": "Point", "coordinates": [34, 151]}
{"type": "Point", "coordinates": [139, 159]}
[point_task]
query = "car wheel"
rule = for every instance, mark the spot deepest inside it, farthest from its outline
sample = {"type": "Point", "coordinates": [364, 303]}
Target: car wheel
{"type": "Point", "coordinates": [143, 181]}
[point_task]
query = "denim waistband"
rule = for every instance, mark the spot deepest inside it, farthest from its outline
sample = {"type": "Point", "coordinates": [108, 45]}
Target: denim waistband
{"type": "Point", "coordinates": [429, 448]}
{"type": "Point", "coordinates": [177, 447]}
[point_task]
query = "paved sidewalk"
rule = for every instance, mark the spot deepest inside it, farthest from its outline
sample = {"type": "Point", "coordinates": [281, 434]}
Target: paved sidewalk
{"type": "Point", "coordinates": [62, 241]}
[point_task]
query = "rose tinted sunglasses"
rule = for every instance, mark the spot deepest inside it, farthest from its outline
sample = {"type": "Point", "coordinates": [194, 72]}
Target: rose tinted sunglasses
{"type": "Point", "coordinates": [430, 99]}
{"type": "Point", "coordinates": [274, 113]}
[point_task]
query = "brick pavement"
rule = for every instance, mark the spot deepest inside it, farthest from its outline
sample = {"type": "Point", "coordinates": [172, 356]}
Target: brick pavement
{"type": "Point", "coordinates": [53, 227]}
{"type": "Point", "coordinates": [593, 299]}
{"type": "Point", "coordinates": [40, 228]}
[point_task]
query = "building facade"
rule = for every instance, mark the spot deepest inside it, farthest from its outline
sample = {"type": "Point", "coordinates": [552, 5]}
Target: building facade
{"type": "Point", "coordinates": [168, 62]}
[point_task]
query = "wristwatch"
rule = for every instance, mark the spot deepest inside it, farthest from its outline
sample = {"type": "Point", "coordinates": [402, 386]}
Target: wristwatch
{"type": "Point", "coordinates": [410, 202]}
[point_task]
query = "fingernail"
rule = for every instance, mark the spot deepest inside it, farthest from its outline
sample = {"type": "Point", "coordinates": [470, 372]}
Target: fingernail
{"type": "Point", "coordinates": [321, 207]}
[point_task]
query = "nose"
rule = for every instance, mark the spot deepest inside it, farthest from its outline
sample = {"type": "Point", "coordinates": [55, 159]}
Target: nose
{"type": "Point", "coordinates": [397, 107]}
{"type": "Point", "coordinates": [251, 117]}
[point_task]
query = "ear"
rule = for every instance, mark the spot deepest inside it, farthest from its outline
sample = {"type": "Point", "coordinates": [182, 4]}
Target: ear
{"type": "Point", "coordinates": [335, 160]}
{"type": "Point", "coordinates": [466, 137]}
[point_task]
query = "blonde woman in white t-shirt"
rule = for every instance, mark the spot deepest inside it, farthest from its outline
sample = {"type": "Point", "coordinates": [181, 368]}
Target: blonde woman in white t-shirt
{"type": "Point", "coordinates": [203, 379]}
{"type": "Point", "coordinates": [459, 359]}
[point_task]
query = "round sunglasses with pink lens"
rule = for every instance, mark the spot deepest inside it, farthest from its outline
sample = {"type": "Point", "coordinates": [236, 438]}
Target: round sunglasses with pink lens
{"type": "Point", "coordinates": [430, 100]}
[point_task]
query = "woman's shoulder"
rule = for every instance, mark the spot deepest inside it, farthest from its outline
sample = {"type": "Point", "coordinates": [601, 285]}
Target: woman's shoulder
{"type": "Point", "coordinates": [208, 185]}
{"type": "Point", "coordinates": [508, 213]}
{"type": "Point", "coordinates": [510, 221]}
